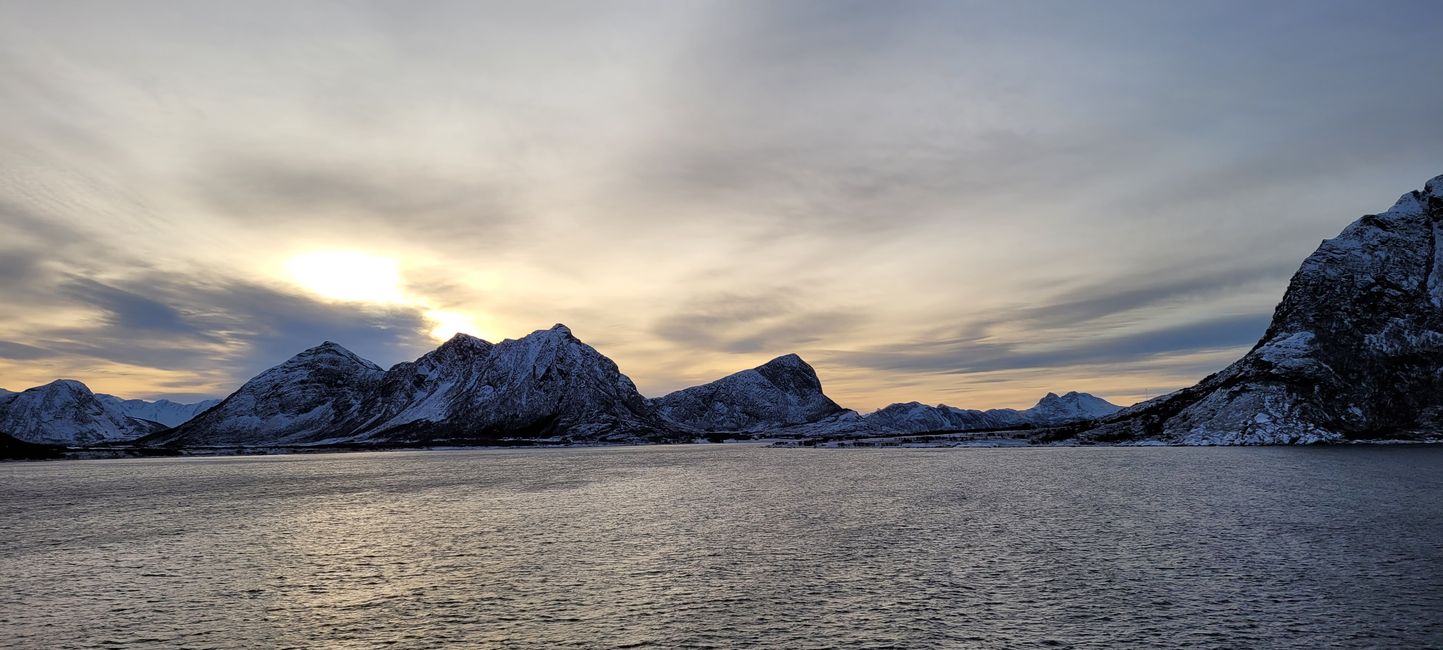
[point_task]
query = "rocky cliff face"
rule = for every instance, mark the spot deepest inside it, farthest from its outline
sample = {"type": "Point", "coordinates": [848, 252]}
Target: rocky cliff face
{"type": "Point", "coordinates": [1354, 351]}
{"type": "Point", "coordinates": [780, 394]}
{"type": "Point", "coordinates": [65, 412]}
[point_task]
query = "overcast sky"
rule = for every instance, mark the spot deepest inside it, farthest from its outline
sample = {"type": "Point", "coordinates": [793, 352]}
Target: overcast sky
{"type": "Point", "coordinates": [962, 202]}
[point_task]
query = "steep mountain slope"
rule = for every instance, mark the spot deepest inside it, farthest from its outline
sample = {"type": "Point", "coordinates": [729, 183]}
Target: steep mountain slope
{"type": "Point", "coordinates": [305, 398]}
{"type": "Point", "coordinates": [914, 417]}
{"type": "Point", "coordinates": [423, 390]}
{"type": "Point", "coordinates": [66, 412]}
{"type": "Point", "coordinates": [1354, 351]}
{"type": "Point", "coordinates": [545, 384]}
{"type": "Point", "coordinates": [778, 394]}
{"type": "Point", "coordinates": [162, 411]}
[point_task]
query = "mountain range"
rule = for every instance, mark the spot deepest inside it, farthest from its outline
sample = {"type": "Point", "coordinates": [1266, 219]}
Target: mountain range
{"type": "Point", "coordinates": [546, 387]}
{"type": "Point", "coordinates": [1354, 352]}
{"type": "Point", "coordinates": [1051, 410]}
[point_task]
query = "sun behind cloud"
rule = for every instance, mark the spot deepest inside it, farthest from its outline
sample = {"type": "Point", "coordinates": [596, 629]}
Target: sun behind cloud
{"type": "Point", "coordinates": [361, 277]}
{"type": "Point", "coordinates": [348, 276]}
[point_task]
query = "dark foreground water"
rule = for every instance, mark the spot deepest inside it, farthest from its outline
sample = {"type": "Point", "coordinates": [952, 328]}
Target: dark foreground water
{"type": "Point", "coordinates": [730, 546]}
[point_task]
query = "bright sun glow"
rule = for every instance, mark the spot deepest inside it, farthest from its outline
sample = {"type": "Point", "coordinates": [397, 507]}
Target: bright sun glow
{"type": "Point", "coordinates": [353, 276]}
{"type": "Point", "coordinates": [447, 324]}
{"type": "Point", "coordinates": [348, 275]}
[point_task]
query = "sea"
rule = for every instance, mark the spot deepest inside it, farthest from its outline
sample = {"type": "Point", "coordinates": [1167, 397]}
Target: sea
{"type": "Point", "coordinates": [729, 546]}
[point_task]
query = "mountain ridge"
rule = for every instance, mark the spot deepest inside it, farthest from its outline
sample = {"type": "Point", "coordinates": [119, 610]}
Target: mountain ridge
{"type": "Point", "coordinates": [1052, 409]}
{"type": "Point", "coordinates": [547, 384]}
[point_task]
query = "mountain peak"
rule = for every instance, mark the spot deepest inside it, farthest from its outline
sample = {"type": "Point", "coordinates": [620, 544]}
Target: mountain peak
{"type": "Point", "coordinates": [1434, 187]}
{"type": "Point", "coordinates": [72, 384]}
{"type": "Point", "coordinates": [461, 340]}
{"type": "Point", "coordinates": [325, 351]}
{"type": "Point", "coordinates": [553, 333]}
{"type": "Point", "coordinates": [786, 361]}
{"type": "Point", "coordinates": [327, 347]}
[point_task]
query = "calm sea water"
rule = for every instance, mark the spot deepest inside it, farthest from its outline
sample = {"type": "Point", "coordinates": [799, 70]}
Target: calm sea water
{"type": "Point", "coordinates": [730, 546]}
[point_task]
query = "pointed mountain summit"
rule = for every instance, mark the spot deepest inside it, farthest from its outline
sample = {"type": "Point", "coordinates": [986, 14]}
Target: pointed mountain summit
{"type": "Point", "coordinates": [422, 390]}
{"type": "Point", "coordinates": [304, 398]}
{"type": "Point", "coordinates": [1354, 350]}
{"type": "Point", "coordinates": [778, 394]}
{"type": "Point", "coordinates": [65, 412]}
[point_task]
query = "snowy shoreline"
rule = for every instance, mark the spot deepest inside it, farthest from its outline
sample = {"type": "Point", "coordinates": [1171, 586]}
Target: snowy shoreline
{"type": "Point", "coordinates": [898, 442]}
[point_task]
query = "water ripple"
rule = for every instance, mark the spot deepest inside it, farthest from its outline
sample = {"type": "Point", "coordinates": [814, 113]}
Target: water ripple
{"type": "Point", "coordinates": [730, 546]}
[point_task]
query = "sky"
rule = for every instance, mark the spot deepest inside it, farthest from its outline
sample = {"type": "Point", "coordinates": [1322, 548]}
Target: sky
{"type": "Point", "coordinates": [971, 203]}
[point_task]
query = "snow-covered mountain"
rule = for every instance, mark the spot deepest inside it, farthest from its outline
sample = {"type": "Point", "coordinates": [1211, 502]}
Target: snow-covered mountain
{"type": "Point", "coordinates": [916, 417]}
{"type": "Point", "coordinates": [307, 397]}
{"type": "Point", "coordinates": [1051, 410]}
{"type": "Point", "coordinates": [66, 412]}
{"type": "Point", "coordinates": [777, 395]}
{"type": "Point", "coordinates": [163, 411]}
{"type": "Point", "coordinates": [1070, 407]}
{"type": "Point", "coordinates": [1354, 351]}
{"type": "Point", "coordinates": [546, 384]}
